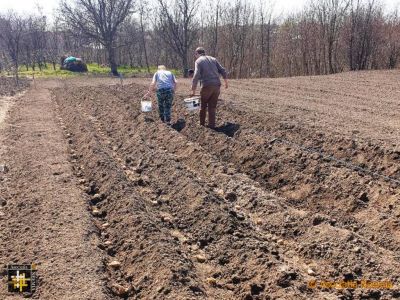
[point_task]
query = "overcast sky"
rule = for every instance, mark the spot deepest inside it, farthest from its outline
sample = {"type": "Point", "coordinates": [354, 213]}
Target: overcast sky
{"type": "Point", "coordinates": [28, 6]}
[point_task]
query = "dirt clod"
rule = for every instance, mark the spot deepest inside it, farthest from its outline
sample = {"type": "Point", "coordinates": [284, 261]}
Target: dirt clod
{"type": "Point", "coordinates": [96, 199]}
{"type": "Point", "coordinates": [256, 288]}
{"type": "Point", "coordinates": [200, 258]}
{"type": "Point", "coordinates": [285, 277]}
{"type": "Point", "coordinates": [363, 197]}
{"type": "Point", "coordinates": [231, 196]}
{"type": "Point", "coordinates": [120, 290]}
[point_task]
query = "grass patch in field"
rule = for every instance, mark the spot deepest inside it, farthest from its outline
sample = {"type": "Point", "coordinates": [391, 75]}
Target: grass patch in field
{"type": "Point", "coordinates": [93, 69]}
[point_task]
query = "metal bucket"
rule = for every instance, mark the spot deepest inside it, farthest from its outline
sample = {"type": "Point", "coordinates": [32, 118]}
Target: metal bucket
{"type": "Point", "coordinates": [192, 103]}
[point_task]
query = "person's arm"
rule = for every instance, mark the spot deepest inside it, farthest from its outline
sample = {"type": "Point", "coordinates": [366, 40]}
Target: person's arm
{"type": "Point", "coordinates": [152, 86]}
{"type": "Point", "coordinates": [196, 77]}
{"type": "Point", "coordinates": [226, 82]}
{"type": "Point", "coordinates": [223, 73]}
{"type": "Point", "coordinates": [175, 83]}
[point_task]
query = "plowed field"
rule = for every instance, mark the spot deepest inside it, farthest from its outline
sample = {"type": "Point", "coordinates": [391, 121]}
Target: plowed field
{"type": "Point", "coordinates": [298, 186]}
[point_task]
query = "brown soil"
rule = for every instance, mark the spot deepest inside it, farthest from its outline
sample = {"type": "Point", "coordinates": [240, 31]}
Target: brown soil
{"type": "Point", "coordinates": [9, 92]}
{"type": "Point", "coordinates": [9, 87]}
{"type": "Point", "coordinates": [43, 217]}
{"type": "Point", "coordinates": [295, 185]}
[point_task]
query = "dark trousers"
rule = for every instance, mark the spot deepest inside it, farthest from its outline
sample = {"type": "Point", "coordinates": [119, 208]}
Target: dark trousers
{"type": "Point", "coordinates": [209, 98]}
{"type": "Point", "coordinates": [165, 98]}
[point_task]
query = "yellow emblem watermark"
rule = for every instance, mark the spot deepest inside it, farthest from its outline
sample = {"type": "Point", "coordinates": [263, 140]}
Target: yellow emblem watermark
{"type": "Point", "coordinates": [21, 278]}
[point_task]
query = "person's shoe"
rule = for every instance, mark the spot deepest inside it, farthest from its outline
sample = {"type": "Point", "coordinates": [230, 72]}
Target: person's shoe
{"type": "Point", "coordinates": [168, 123]}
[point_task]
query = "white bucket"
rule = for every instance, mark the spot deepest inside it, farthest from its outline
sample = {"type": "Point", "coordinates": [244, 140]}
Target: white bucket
{"type": "Point", "coordinates": [192, 103]}
{"type": "Point", "coordinates": [146, 105]}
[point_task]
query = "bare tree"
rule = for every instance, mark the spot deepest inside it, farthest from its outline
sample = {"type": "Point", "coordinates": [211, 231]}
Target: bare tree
{"type": "Point", "coordinates": [12, 29]}
{"type": "Point", "coordinates": [54, 43]}
{"type": "Point", "coordinates": [236, 30]}
{"type": "Point", "coordinates": [36, 40]}
{"type": "Point", "coordinates": [177, 26]}
{"type": "Point", "coordinates": [266, 10]}
{"type": "Point", "coordinates": [361, 36]}
{"type": "Point", "coordinates": [392, 49]}
{"type": "Point", "coordinates": [99, 20]}
{"type": "Point", "coordinates": [128, 37]}
{"type": "Point", "coordinates": [330, 14]}
{"type": "Point", "coordinates": [143, 14]}
{"type": "Point", "coordinates": [327, 36]}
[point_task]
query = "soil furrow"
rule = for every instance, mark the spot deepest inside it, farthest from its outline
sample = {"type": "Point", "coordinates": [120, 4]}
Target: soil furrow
{"type": "Point", "coordinates": [127, 131]}
{"type": "Point", "coordinates": [291, 188]}
{"type": "Point", "coordinates": [116, 199]}
{"type": "Point", "coordinates": [44, 220]}
{"type": "Point", "coordinates": [306, 180]}
{"type": "Point", "coordinates": [201, 215]}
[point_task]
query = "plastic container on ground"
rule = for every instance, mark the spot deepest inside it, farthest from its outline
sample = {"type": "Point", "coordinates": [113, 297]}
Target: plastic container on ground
{"type": "Point", "coordinates": [192, 103]}
{"type": "Point", "coordinates": [146, 105]}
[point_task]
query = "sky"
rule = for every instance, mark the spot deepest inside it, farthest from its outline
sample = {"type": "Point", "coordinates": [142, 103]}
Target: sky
{"type": "Point", "coordinates": [48, 6]}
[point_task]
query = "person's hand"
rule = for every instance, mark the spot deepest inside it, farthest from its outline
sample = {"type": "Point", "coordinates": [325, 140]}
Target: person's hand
{"type": "Point", "coordinates": [226, 84]}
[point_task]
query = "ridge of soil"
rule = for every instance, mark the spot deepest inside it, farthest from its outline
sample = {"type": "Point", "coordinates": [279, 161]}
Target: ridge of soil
{"type": "Point", "coordinates": [43, 218]}
{"type": "Point", "coordinates": [297, 184]}
{"type": "Point", "coordinates": [211, 191]}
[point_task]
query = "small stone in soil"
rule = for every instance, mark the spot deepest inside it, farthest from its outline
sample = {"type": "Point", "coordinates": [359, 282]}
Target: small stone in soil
{"type": "Point", "coordinates": [259, 222]}
{"type": "Point", "coordinates": [310, 272]}
{"type": "Point", "coordinates": [115, 264]}
{"type": "Point", "coordinates": [4, 169]}
{"type": "Point", "coordinates": [96, 212]}
{"type": "Point", "coordinates": [200, 258]}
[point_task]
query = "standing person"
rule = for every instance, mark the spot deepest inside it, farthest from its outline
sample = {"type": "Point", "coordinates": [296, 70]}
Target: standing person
{"type": "Point", "coordinates": [208, 70]}
{"type": "Point", "coordinates": [165, 83]}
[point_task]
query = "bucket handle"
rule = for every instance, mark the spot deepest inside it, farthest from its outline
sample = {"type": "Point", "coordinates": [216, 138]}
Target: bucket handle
{"type": "Point", "coordinates": [145, 97]}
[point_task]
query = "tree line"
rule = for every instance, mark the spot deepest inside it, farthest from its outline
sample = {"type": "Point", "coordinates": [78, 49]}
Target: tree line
{"type": "Point", "coordinates": [248, 37]}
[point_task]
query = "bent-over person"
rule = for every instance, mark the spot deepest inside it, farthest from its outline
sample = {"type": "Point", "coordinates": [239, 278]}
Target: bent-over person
{"type": "Point", "coordinates": [165, 84]}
